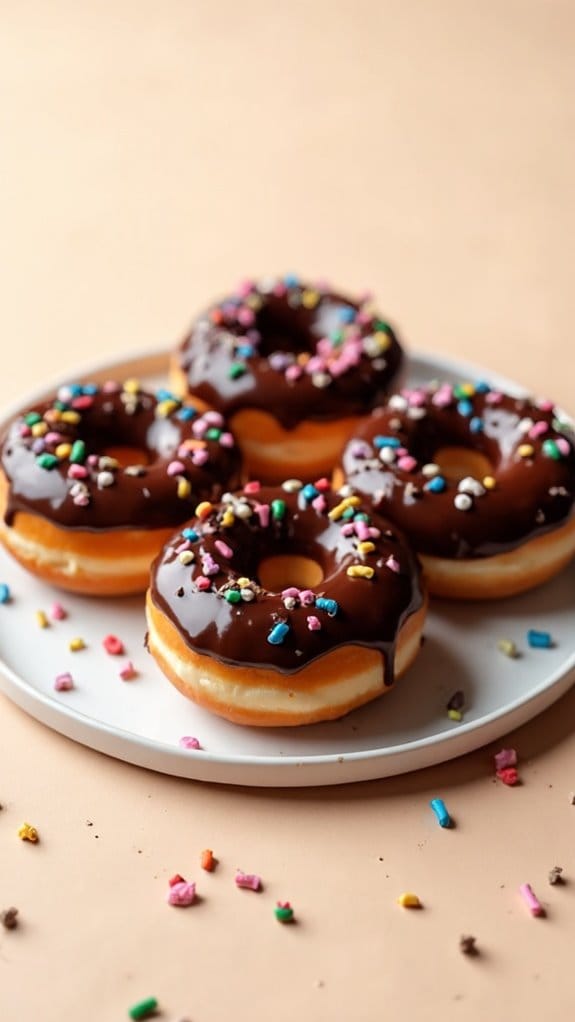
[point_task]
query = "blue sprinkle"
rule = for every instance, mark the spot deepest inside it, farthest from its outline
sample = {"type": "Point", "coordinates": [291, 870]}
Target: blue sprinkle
{"type": "Point", "coordinates": [89, 389]}
{"type": "Point", "coordinates": [346, 314]}
{"type": "Point", "coordinates": [309, 491]}
{"type": "Point", "coordinates": [190, 534]}
{"type": "Point", "coordinates": [166, 395]}
{"type": "Point", "coordinates": [386, 441]}
{"type": "Point", "coordinates": [482, 387]}
{"type": "Point", "coordinates": [539, 640]}
{"type": "Point", "coordinates": [291, 280]}
{"type": "Point", "coordinates": [186, 413]}
{"type": "Point", "coordinates": [464, 407]}
{"type": "Point", "coordinates": [331, 607]}
{"type": "Point", "coordinates": [348, 514]}
{"type": "Point", "coordinates": [436, 485]}
{"type": "Point", "coordinates": [360, 516]}
{"type": "Point", "coordinates": [278, 633]}
{"type": "Point", "coordinates": [440, 810]}
{"type": "Point", "coordinates": [245, 350]}
{"type": "Point", "coordinates": [5, 595]}
{"type": "Point", "coordinates": [476, 424]}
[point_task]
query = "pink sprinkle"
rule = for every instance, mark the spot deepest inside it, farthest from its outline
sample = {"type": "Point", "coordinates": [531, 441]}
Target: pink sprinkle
{"type": "Point", "coordinates": [263, 513]}
{"type": "Point", "coordinates": [392, 563]}
{"type": "Point", "coordinates": [442, 397]}
{"type": "Point", "coordinates": [293, 373]}
{"type": "Point", "coordinates": [315, 364]}
{"type": "Point", "coordinates": [348, 529]}
{"type": "Point", "coordinates": [110, 387]}
{"type": "Point", "coordinates": [279, 289]}
{"type": "Point", "coordinates": [505, 758]}
{"type": "Point", "coordinates": [245, 288]}
{"type": "Point", "coordinates": [493, 397]}
{"type": "Point", "coordinates": [64, 682]}
{"type": "Point", "coordinates": [363, 318]}
{"type": "Point", "coordinates": [322, 484]}
{"type": "Point", "coordinates": [252, 487]}
{"type": "Point", "coordinates": [417, 398]}
{"type": "Point", "coordinates": [361, 529]}
{"type": "Point", "coordinates": [81, 500]}
{"type": "Point", "coordinates": [319, 503]}
{"type": "Point", "coordinates": [25, 430]}
{"type": "Point", "coordinates": [200, 456]}
{"type": "Point", "coordinates": [189, 742]}
{"type": "Point", "coordinates": [209, 566]}
{"type": "Point", "coordinates": [199, 427]}
{"type": "Point", "coordinates": [530, 899]}
{"type": "Point", "coordinates": [92, 460]}
{"type": "Point", "coordinates": [227, 440]}
{"type": "Point", "coordinates": [373, 532]}
{"type": "Point", "coordinates": [177, 878]}
{"type": "Point", "coordinates": [54, 438]}
{"type": "Point", "coordinates": [313, 623]}
{"type": "Point", "coordinates": [175, 468]}
{"type": "Point", "coordinates": [113, 645]}
{"type": "Point", "coordinates": [181, 894]}
{"type": "Point", "coordinates": [202, 583]}
{"type": "Point", "coordinates": [57, 612]}
{"type": "Point", "coordinates": [223, 548]}
{"type": "Point", "coordinates": [250, 880]}
{"type": "Point", "coordinates": [290, 591]}
{"type": "Point", "coordinates": [537, 429]}
{"type": "Point", "coordinates": [307, 597]}
{"type": "Point", "coordinates": [406, 463]}
{"type": "Point", "coordinates": [246, 317]}
{"type": "Point", "coordinates": [213, 418]}
{"type": "Point", "coordinates": [128, 672]}
{"type": "Point", "coordinates": [186, 545]}
{"type": "Point", "coordinates": [563, 446]}
{"type": "Point", "coordinates": [77, 472]}
{"type": "Point", "coordinates": [545, 405]}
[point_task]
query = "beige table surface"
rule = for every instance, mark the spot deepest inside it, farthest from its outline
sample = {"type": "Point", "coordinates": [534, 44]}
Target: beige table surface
{"type": "Point", "coordinates": [153, 154]}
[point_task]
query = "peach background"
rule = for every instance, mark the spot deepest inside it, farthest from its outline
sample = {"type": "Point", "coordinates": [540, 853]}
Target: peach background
{"type": "Point", "coordinates": [154, 153]}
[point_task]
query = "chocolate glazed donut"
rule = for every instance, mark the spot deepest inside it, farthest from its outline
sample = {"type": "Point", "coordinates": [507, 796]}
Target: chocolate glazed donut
{"type": "Point", "coordinates": [503, 528]}
{"type": "Point", "coordinates": [294, 368]}
{"type": "Point", "coordinates": [285, 605]}
{"type": "Point", "coordinates": [75, 514]}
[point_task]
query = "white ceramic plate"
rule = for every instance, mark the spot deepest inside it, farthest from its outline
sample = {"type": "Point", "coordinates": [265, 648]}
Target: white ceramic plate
{"type": "Point", "coordinates": [141, 721]}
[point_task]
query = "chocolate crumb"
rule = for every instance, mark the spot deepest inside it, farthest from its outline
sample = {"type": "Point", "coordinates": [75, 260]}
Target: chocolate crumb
{"type": "Point", "coordinates": [9, 918]}
{"type": "Point", "coordinates": [467, 945]}
{"type": "Point", "coordinates": [457, 700]}
{"type": "Point", "coordinates": [555, 876]}
{"type": "Point", "coordinates": [572, 798]}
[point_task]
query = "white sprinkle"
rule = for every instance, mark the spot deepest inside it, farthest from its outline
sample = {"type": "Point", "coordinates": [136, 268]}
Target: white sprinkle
{"type": "Point", "coordinates": [290, 602]}
{"type": "Point", "coordinates": [525, 425]}
{"type": "Point", "coordinates": [371, 346]}
{"type": "Point", "coordinates": [321, 380]}
{"type": "Point", "coordinates": [242, 510]}
{"type": "Point", "coordinates": [135, 470]}
{"type": "Point", "coordinates": [463, 502]}
{"type": "Point", "coordinates": [292, 485]}
{"type": "Point", "coordinates": [416, 413]}
{"type": "Point", "coordinates": [379, 363]}
{"type": "Point", "coordinates": [105, 479]}
{"type": "Point", "coordinates": [397, 402]}
{"type": "Point", "coordinates": [345, 491]}
{"type": "Point", "coordinates": [395, 424]}
{"type": "Point", "coordinates": [247, 595]}
{"type": "Point", "coordinates": [105, 463]}
{"type": "Point", "coordinates": [472, 486]}
{"type": "Point", "coordinates": [430, 470]}
{"type": "Point", "coordinates": [186, 557]}
{"type": "Point", "coordinates": [387, 455]}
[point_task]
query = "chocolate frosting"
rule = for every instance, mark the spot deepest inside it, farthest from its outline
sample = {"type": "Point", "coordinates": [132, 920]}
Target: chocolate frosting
{"type": "Point", "coordinates": [54, 458]}
{"type": "Point", "coordinates": [531, 490]}
{"type": "Point", "coordinates": [295, 351]}
{"type": "Point", "coordinates": [341, 610]}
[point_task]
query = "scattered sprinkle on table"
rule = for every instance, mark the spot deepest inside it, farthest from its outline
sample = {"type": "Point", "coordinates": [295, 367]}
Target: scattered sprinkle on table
{"type": "Point", "coordinates": [508, 648]}
{"type": "Point", "coordinates": [554, 875]}
{"type": "Point", "coordinates": [441, 814]}
{"type": "Point", "coordinates": [251, 881]}
{"type": "Point", "coordinates": [5, 594]}
{"type": "Point", "coordinates": [539, 640]}
{"type": "Point", "coordinates": [189, 742]}
{"type": "Point", "coordinates": [113, 645]}
{"type": "Point", "coordinates": [408, 900]}
{"type": "Point", "coordinates": [509, 776]}
{"type": "Point", "coordinates": [9, 918]}
{"type": "Point", "coordinates": [284, 912]}
{"type": "Point", "coordinates": [57, 612]}
{"type": "Point", "coordinates": [128, 671]}
{"type": "Point", "coordinates": [505, 758]}
{"type": "Point", "coordinates": [28, 833]}
{"type": "Point", "coordinates": [529, 897]}
{"type": "Point", "coordinates": [467, 945]}
{"type": "Point", "coordinates": [64, 682]}
{"type": "Point", "coordinates": [75, 645]}
{"type": "Point", "coordinates": [207, 860]}
{"type": "Point", "coordinates": [455, 705]}
{"type": "Point", "coordinates": [181, 894]}
{"type": "Point", "coordinates": [41, 619]}
{"type": "Point", "coordinates": [143, 1009]}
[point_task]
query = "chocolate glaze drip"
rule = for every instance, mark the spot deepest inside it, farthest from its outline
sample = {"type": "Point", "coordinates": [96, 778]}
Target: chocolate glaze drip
{"type": "Point", "coordinates": [369, 612]}
{"type": "Point", "coordinates": [246, 351]}
{"type": "Point", "coordinates": [533, 492]}
{"type": "Point", "coordinates": [107, 497]}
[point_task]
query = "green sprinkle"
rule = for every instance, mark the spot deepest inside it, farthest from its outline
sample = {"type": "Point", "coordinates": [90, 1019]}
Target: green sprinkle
{"type": "Point", "coordinates": [61, 406]}
{"type": "Point", "coordinates": [348, 513]}
{"type": "Point", "coordinates": [336, 337]}
{"type": "Point", "coordinates": [78, 452]}
{"type": "Point", "coordinates": [278, 509]}
{"type": "Point", "coordinates": [233, 595]}
{"type": "Point", "coordinates": [550, 448]}
{"type": "Point", "coordinates": [48, 461]}
{"type": "Point", "coordinates": [236, 370]}
{"type": "Point", "coordinates": [32, 418]}
{"type": "Point", "coordinates": [360, 516]}
{"type": "Point", "coordinates": [284, 913]}
{"type": "Point", "coordinates": [143, 1008]}
{"type": "Point", "coordinates": [380, 324]}
{"type": "Point", "coordinates": [213, 433]}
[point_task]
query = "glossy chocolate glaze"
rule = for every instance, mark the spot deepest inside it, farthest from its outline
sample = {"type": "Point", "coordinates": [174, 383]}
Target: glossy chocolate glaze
{"type": "Point", "coordinates": [369, 611]}
{"type": "Point", "coordinates": [93, 494]}
{"type": "Point", "coordinates": [249, 351]}
{"type": "Point", "coordinates": [534, 484]}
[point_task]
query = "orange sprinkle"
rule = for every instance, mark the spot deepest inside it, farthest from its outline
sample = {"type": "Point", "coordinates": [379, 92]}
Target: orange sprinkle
{"type": "Point", "coordinates": [217, 316]}
{"type": "Point", "coordinates": [207, 860]}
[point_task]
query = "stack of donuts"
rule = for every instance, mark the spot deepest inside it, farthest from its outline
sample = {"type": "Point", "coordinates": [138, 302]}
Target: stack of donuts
{"type": "Point", "coordinates": [288, 503]}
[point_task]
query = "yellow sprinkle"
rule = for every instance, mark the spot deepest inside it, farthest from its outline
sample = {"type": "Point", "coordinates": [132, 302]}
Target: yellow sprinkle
{"type": "Point", "coordinates": [360, 571]}
{"type": "Point", "coordinates": [525, 450]}
{"type": "Point", "coordinates": [204, 509]}
{"type": "Point", "coordinates": [466, 389]}
{"type": "Point", "coordinates": [309, 299]}
{"type": "Point", "coordinates": [455, 714]}
{"type": "Point", "coordinates": [28, 833]}
{"type": "Point", "coordinates": [337, 511]}
{"type": "Point", "coordinates": [228, 518]}
{"type": "Point", "coordinates": [489, 482]}
{"type": "Point", "coordinates": [132, 386]}
{"type": "Point", "coordinates": [53, 415]}
{"type": "Point", "coordinates": [184, 488]}
{"type": "Point", "coordinates": [42, 619]}
{"type": "Point", "coordinates": [382, 340]}
{"type": "Point", "coordinates": [71, 416]}
{"type": "Point", "coordinates": [165, 408]}
{"type": "Point", "coordinates": [254, 302]}
{"type": "Point", "coordinates": [76, 644]}
{"type": "Point", "coordinates": [63, 450]}
{"type": "Point", "coordinates": [367, 547]}
{"type": "Point", "coordinates": [409, 900]}
{"type": "Point", "coordinates": [243, 582]}
{"type": "Point", "coordinates": [39, 428]}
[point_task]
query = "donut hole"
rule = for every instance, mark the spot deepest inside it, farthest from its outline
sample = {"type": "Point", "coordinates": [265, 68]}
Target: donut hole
{"type": "Point", "coordinates": [283, 329]}
{"type": "Point", "coordinates": [457, 462]}
{"type": "Point", "coordinates": [284, 570]}
{"type": "Point", "coordinates": [126, 455]}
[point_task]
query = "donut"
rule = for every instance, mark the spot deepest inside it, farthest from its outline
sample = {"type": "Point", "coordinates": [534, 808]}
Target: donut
{"type": "Point", "coordinates": [293, 367]}
{"type": "Point", "coordinates": [482, 483]}
{"type": "Point", "coordinates": [93, 482]}
{"type": "Point", "coordinates": [285, 605]}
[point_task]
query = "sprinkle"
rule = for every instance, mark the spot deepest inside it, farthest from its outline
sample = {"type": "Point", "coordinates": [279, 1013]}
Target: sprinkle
{"type": "Point", "coordinates": [233, 595]}
{"type": "Point", "coordinates": [63, 450]}
{"type": "Point", "coordinates": [113, 645]}
{"type": "Point", "coordinates": [309, 492]}
{"type": "Point", "coordinates": [462, 501]}
{"type": "Point", "coordinates": [467, 945]}
{"type": "Point", "coordinates": [563, 446]}
{"type": "Point", "coordinates": [186, 557]}
{"type": "Point", "coordinates": [284, 912]}
{"type": "Point", "coordinates": [278, 633]}
{"type": "Point", "coordinates": [41, 619]}
{"type": "Point", "coordinates": [184, 488]}
{"type": "Point", "coordinates": [207, 860]}
{"type": "Point", "coordinates": [489, 482]}
{"type": "Point", "coordinates": [407, 463]}
{"type": "Point", "coordinates": [476, 424]}
{"type": "Point", "coordinates": [307, 597]}
{"type": "Point", "coordinates": [143, 1009]}
{"type": "Point", "coordinates": [209, 566]}
{"type": "Point", "coordinates": [509, 776]}
{"type": "Point", "coordinates": [75, 645]}
{"type": "Point", "coordinates": [292, 485]}
{"type": "Point", "coordinates": [551, 450]}
{"type": "Point", "coordinates": [78, 452]}
{"type": "Point", "coordinates": [360, 571]}
{"type": "Point", "coordinates": [64, 682]}
{"type": "Point", "coordinates": [407, 900]}
{"type": "Point", "coordinates": [175, 468]}
{"type": "Point", "coordinates": [455, 715]}
{"type": "Point", "coordinates": [393, 564]}
{"type": "Point", "coordinates": [181, 894]}
{"type": "Point", "coordinates": [236, 370]}
{"type": "Point", "coordinates": [278, 509]}
{"type": "Point", "coordinates": [508, 648]}
{"type": "Point", "coordinates": [204, 509]}
{"type": "Point", "coordinates": [472, 486]}
{"type": "Point", "coordinates": [430, 470]}
{"type": "Point", "coordinates": [313, 623]}
{"type": "Point", "coordinates": [9, 918]}
{"type": "Point", "coordinates": [189, 742]}
{"type": "Point", "coordinates": [505, 758]}
{"type": "Point", "coordinates": [73, 418]}
{"type": "Point", "coordinates": [464, 407]}
{"type": "Point", "coordinates": [57, 612]}
{"type": "Point", "coordinates": [128, 672]}
{"type": "Point", "coordinates": [251, 881]}
{"type": "Point", "coordinates": [366, 547]}
{"type": "Point", "coordinates": [28, 833]}
{"type": "Point", "coordinates": [441, 813]}
{"type": "Point", "coordinates": [525, 450]}
{"type": "Point", "coordinates": [386, 441]}
{"type": "Point", "coordinates": [5, 594]}
{"type": "Point", "coordinates": [202, 583]}
{"type": "Point", "coordinates": [530, 899]}
{"type": "Point", "coordinates": [331, 607]}
{"type": "Point", "coordinates": [223, 548]}
{"type": "Point", "coordinates": [436, 485]}
{"type": "Point", "coordinates": [47, 461]}
{"type": "Point", "coordinates": [554, 875]}
{"type": "Point", "coordinates": [228, 518]}
{"type": "Point", "coordinates": [539, 640]}
{"type": "Point", "coordinates": [252, 487]}
{"type": "Point", "coordinates": [190, 534]}
{"type": "Point", "coordinates": [263, 513]}
{"type": "Point", "coordinates": [247, 595]}
{"type": "Point", "coordinates": [457, 700]}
